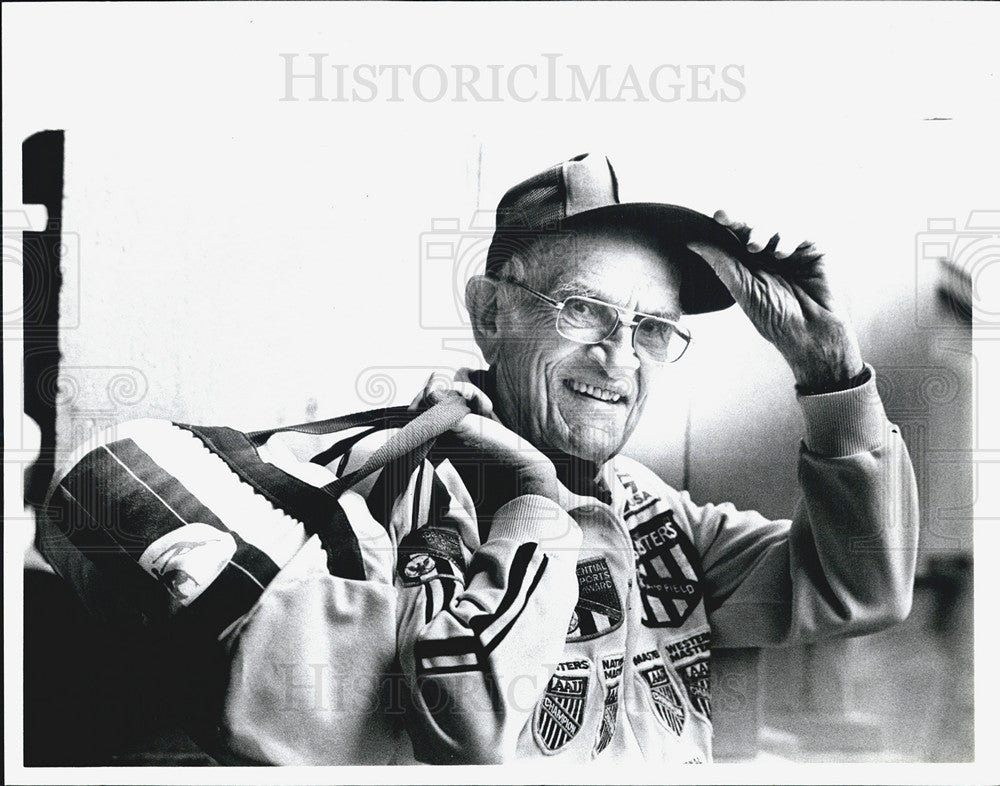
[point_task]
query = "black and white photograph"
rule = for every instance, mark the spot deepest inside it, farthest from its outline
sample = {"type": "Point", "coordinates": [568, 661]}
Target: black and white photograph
{"type": "Point", "coordinates": [561, 392]}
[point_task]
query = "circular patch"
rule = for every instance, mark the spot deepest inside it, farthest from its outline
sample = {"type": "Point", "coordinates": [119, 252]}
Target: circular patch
{"type": "Point", "coordinates": [418, 566]}
{"type": "Point", "coordinates": [574, 625]}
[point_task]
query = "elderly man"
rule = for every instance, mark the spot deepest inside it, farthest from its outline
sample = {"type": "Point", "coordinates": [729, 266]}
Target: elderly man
{"type": "Point", "coordinates": [557, 599]}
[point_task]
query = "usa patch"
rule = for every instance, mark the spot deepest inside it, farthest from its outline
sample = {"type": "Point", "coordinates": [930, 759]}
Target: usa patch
{"type": "Point", "coordinates": [559, 713]}
{"type": "Point", "coordinates": [599, 609]}
{"type": "Point", "coordinates": [663, 694]}
{"type": "Point", "coordinates": [611, 668]}
{"type": "Point", "coordinates": [639, 500]}
{"type": "Point", "coordinates": [667, 572]}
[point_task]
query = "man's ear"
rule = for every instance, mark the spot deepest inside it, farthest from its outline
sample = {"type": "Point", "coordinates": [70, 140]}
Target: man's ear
{"type": "Point", "coordinates": [481, 300]}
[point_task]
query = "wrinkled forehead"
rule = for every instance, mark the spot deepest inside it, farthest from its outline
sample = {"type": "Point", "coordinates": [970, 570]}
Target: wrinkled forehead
{"type": "Point", "coordinates": [620, 266]}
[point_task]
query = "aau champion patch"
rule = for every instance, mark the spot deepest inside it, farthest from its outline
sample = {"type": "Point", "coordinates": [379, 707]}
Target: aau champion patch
{"type": "Point", "coordinates": [559, 713]}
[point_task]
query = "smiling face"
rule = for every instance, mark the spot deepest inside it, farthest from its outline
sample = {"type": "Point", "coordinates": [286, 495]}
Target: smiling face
{"type": "Point", "coordinates": [584, 400]}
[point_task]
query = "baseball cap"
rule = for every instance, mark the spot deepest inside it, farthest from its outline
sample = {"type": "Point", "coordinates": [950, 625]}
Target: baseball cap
{"type": "Point", "coordinates": [582, 193]}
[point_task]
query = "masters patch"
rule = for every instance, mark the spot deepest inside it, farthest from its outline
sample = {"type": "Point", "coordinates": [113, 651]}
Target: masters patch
{"type": "Point", "coordinates": [690, 657]}
{"type": "Point", "coordinates": [663, 694]}
{"type": "Point", "coordinates": [667, 572]}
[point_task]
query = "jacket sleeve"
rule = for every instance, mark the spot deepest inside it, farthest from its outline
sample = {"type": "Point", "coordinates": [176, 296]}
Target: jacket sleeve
{"type": "Point", "coordinates": [481, 629]}
{"type": "Point", "coordinates": [844, 565]}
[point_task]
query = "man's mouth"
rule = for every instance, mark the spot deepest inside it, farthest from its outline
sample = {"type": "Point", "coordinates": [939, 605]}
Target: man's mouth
{"type": "Point", "coordinates": [595, 392]}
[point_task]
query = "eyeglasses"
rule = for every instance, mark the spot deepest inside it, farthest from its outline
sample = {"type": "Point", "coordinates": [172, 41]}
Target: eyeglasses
{"type": "Point", "coordinates": [589, 321]}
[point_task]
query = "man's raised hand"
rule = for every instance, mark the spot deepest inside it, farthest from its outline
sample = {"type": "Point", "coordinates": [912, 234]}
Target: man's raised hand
{"type": "Point", "coordinates": [789, 300]}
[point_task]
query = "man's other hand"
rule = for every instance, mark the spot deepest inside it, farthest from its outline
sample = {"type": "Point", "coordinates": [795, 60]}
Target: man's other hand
{"type": "Point", "coordinates": [510, 462]}
{"type": "Point", "coordinates": [789, 300]}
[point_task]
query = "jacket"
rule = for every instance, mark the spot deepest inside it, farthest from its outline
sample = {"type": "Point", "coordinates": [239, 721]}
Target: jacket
{"type": "Point", "coordinates": [584, 629]}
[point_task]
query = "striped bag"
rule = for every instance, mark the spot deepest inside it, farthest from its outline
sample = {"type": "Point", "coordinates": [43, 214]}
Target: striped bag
{"type": "Point", "coordinates": [267, 576]}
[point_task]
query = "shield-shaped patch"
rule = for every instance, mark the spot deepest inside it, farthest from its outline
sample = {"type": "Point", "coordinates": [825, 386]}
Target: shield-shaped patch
{"type": "Point", "coordinates": [611, 668]}
{"type": "Point", "coordinates": [667, 571]}
{"type": "Point", "coordinates": [665, 697]}
{"type": "Point", "coordinates": [599, 609]}
{"type": "Point", "coordinates": [559, 713]}
{"type": "Point", "coordinates": [690, 657]}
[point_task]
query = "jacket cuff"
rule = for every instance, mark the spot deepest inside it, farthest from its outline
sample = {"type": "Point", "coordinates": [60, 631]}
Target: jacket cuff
{"type": "Point", "coordinates": [533, 518]}
{"type": "Point", "coordinates": [845, 422]}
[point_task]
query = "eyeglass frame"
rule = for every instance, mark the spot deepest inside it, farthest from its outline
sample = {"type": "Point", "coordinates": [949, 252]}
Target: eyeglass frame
{"type": "Point", "coordinates": [635, 319]}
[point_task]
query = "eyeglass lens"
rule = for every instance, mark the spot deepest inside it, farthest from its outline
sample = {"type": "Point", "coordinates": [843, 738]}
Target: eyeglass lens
{"type": "Point", "coordinates": [590, 322]}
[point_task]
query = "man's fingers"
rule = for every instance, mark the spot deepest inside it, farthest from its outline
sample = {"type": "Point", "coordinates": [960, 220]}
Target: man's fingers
{"type": "Point", "coordinates": [738, 228]}
{"type": "Point", "coordinates": [439, 387]}
{"type": "Point", "coordinates": [729, 271]}
{"type": "Point", "coordinates": [478, 401]}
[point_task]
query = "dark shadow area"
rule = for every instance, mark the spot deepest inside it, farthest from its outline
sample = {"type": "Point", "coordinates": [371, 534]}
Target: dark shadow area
{"type": "Point", "coordinates": [94, 697]}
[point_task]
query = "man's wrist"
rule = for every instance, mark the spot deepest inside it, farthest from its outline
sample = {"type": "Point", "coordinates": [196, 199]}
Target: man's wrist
{"type": "Point", "coordinates": [834, 385]}
{"type": "Point", "coordinates": [845, 422]}
{"type": "Point", "coordinates": [534, 518]}
{"type": "Point", "coordinates": [539, 482]}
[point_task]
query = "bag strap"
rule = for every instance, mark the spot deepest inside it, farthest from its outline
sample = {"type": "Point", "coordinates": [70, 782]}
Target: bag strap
{"type": "Point", "coordinates": [341, 447]}
{"type": "Point", "coordinates": [387, 417]}
{"type": "Point", "coordinates": [413, 440]}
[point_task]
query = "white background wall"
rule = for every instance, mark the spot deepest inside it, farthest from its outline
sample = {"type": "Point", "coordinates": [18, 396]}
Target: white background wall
{"type": "Point", "coordinates": [249, 261]}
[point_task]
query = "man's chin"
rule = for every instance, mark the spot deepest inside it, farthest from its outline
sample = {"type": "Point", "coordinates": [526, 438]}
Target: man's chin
{"type": "Point", "coordinates": [595, 447]}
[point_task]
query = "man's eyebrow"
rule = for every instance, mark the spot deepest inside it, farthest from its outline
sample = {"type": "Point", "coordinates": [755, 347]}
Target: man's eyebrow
{"type": "Point", "coordinates": [570, 288]}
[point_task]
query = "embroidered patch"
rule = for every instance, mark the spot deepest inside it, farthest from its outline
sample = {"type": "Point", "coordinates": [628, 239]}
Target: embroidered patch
{"type": "Point", "coordinates": [665, 698]}
{"type": "Point", "coordinates": [188, 559]}
{"type": "Point", "coordinates": [437, 541]}
{"type": "Point", "coordinates": [418, 566]}
{"type": "Point", "coordinates": [611, 669]}
{"type": "Point", "coordinates": [669, 582]}
{"type": "Point", "coordinates": [639, 500]}
{"type": "Point", "coordinates": [559, 713]}
{"type": "Point", "coordinates": [691, 659]}
{"type": "Point", "coordinates": [598, 609]}
{"type": "Point", "coordinates": [429, 552]}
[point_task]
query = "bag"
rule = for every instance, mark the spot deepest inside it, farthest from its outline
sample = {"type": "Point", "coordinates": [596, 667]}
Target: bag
{"type": "Point", "coordinates": [265, 576]}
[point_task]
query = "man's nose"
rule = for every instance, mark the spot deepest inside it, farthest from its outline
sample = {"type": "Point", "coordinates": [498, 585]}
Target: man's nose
{"type": "Point", "coordinates": [616, 350]}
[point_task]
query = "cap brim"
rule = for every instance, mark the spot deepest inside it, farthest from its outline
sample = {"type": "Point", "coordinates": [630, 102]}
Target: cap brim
{"type": "Point", "coordinates": [670, 228]}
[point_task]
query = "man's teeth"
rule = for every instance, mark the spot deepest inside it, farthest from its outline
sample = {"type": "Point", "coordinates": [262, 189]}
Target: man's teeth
{"type": "Point", "coordinates": [595, 392]}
